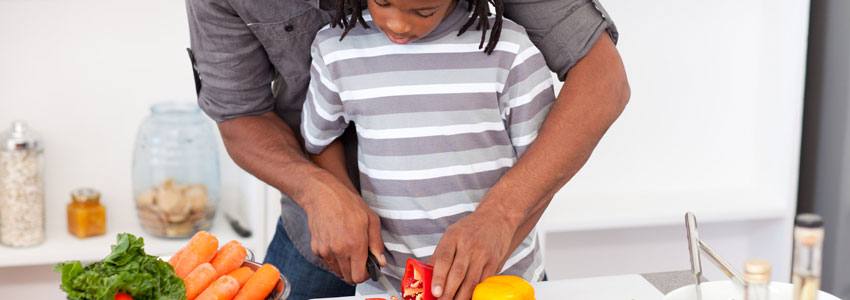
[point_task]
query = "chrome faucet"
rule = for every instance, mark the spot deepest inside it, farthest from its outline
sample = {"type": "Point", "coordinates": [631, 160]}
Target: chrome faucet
{"type": "Point", "coordinates": [696, 247]}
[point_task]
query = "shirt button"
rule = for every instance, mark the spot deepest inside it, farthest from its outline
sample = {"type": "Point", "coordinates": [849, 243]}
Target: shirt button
{"type": "Point", "coordinates": [289, 28]}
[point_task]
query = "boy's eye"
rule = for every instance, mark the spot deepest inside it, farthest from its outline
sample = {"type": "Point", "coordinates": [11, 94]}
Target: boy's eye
{"type": "Point", "coordinates": [426, 13]}
{"type": "Point", "coordinates": [382, 3]}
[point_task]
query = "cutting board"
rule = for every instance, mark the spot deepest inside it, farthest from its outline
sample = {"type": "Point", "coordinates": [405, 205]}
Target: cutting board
{"type": "Point", "coordinates": [622, 287]}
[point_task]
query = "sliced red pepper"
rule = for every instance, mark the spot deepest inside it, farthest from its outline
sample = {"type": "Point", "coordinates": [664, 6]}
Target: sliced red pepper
{"type": "Point", "coordinates": [416, 283]}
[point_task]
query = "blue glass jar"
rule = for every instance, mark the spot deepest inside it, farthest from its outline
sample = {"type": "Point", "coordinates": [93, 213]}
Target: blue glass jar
{"type": "Point", "coordinates": [176, 183]}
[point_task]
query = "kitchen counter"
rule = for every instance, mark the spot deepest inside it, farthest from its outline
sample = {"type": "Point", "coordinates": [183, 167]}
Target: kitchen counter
{"type": "Point", "coordinates": [649, 286]}
{"type": "Point", "coordinates": [666, 282]}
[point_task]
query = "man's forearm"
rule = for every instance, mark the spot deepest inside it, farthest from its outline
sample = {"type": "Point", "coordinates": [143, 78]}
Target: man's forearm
{"type": "Point", "coordinates": [267, 148]}
{"type": "Point", "coordinates": [530, 222]}
{"type": "Point", "coordinates": [332, 159]}
{"type": "Point", "coordinates": [594, 94]}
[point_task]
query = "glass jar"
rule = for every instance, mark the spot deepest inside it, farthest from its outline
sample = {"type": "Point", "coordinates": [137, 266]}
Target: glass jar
{"type": "Point", "coordinates": [807, 260]}
{"type": "Point", "coordinates": [21, 187]}
{"type": "Point", "coordinates": [757, 279]}
{"type": "Point", "coordinates": [175, 171]}
{"type": "Point", "coordinates": [86, 216]}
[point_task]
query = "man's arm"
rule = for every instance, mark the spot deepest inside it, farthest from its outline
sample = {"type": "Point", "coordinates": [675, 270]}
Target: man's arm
{"type": "Point", "coordinates": [332, 159]}
{"type": "Point", "coordinates": [267, 148]}
{"type": "Point", "coordinates": [593, 96]}
{"type": "Point", "coordinates": [236, 75]}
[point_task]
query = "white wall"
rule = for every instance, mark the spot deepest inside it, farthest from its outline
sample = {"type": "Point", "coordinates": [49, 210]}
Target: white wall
{"type": "Point", "coordinates": [716, 98]}
{"type": "Point", "coordinates": [83, 74]}
{"type": "Point", "coordinates": [713, 123]}
{"type": "Point", "coordinates": [713, 126]}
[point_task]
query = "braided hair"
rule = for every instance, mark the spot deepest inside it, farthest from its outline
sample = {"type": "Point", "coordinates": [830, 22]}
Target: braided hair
{"type": "Point", "coordinates": [479, 10]}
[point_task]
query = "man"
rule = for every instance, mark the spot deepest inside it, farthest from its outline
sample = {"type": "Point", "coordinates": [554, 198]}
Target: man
{"type": "Point", "coordinates": [253, 57]}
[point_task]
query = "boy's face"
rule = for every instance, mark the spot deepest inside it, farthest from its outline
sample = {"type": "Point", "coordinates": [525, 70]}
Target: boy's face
{"type": "Point", "coordinates": [404, 21]}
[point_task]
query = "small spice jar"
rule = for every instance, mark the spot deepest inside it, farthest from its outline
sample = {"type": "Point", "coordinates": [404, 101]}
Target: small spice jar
{"type": "Point", "coordinates": [22, 220]}
{"type": "Point", "coordinates": [86, 216]}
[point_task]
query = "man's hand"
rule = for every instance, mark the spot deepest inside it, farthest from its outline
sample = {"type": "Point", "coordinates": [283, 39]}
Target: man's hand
{"type": "Point", "coordinates": [342, 227]}
{"type": "Point", "coordinates": [471, 250]}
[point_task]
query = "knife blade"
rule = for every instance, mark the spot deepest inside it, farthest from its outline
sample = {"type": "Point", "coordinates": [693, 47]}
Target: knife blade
{"type": "Point", "coordinates": [376, 275]}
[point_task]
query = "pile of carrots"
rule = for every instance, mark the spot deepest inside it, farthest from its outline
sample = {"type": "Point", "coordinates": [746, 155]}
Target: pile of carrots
{"type": "Point", "coordinates": [210, 273]}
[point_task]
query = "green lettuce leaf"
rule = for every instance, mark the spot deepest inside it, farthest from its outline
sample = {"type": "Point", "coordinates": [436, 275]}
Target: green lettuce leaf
{"type": "Point", "coordinates": [127, 269]}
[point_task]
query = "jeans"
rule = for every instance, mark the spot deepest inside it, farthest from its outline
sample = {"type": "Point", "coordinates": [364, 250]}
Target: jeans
{"type": "Point", "coordinates": [307, 280]}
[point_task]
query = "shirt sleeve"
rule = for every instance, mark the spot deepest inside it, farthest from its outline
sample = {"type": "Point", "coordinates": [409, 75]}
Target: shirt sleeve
{"type": "Point", "coordinates": [323, 119]}
{"type": "Point", "coordinates": [235, 71]}
{"type": "Point", "coordinates": [563, 30]}
{"type": "Point", "coordinates": [527, 96]}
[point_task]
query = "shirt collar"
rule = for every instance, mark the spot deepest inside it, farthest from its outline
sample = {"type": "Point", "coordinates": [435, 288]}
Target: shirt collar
{"type": "Point", "coordinates": [452, 22]}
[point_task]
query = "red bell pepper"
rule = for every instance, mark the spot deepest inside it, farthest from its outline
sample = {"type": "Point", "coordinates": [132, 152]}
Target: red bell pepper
{"type": "Point", "coordinates": [416, 283]}
{"type": "Point", "coordinates": [123, 296]}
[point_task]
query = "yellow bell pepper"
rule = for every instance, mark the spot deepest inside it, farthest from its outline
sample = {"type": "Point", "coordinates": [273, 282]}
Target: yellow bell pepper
{"type": "Point", "coordinates": [503, 287]}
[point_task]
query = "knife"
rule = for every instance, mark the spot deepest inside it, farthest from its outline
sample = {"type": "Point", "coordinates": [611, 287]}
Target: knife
{"type": "Point", "coordinates": [375, 274]}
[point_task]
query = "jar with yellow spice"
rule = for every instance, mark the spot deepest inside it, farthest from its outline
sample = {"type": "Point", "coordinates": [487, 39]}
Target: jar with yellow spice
{"type": "Point", "coordinates": [86, 216]}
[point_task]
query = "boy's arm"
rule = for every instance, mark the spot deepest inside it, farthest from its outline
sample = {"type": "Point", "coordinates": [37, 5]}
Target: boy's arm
{"type": "Point", "coordinates": [332, 159]}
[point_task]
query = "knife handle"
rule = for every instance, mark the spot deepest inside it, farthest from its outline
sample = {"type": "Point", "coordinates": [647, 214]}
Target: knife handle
{"type": "Point", "coordinates": [373, 267]}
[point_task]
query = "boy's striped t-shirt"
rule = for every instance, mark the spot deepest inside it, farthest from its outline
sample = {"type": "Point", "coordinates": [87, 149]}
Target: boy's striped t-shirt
{"type": "Point", "coordinates": [438, 123]}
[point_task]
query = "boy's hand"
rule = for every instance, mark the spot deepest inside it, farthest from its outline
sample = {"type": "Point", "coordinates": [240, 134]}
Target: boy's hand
{"type": "Point", "coordinates": [342, 227]}
{"type": "Point", "coordinates": [471, 250]}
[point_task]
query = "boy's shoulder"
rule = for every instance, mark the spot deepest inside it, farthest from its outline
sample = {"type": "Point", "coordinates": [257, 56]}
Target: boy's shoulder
{"type": "Point", "coordinates": [512, 32]}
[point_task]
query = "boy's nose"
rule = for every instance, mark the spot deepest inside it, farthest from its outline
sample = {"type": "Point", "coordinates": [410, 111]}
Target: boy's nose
{"type": "Point", "coordinates": [398, 26]}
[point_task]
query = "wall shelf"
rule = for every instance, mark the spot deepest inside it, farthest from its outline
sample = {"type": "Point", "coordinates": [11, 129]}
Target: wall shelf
{"type": "Point", "coordinates": [61, 246]}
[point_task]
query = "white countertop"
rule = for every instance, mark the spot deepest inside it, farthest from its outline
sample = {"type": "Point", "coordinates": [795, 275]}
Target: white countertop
{"type": "Point", "coordinates": [627, 287]}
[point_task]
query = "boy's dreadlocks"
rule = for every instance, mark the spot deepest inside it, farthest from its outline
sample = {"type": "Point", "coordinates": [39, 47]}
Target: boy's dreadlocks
{"type": "Point", "coordinates": [480, 10]}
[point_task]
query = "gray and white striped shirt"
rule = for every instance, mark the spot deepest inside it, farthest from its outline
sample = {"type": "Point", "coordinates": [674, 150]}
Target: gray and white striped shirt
{"type": "Point", "coordinates": [438, 123]}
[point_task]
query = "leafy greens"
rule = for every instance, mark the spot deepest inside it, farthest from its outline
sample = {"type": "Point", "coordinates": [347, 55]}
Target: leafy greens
{"type": "Point", "coordinates": [127, 269]}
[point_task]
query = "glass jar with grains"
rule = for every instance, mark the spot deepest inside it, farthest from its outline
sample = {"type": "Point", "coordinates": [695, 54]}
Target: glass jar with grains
{"type": "Point", "coordinates": [21, 187]}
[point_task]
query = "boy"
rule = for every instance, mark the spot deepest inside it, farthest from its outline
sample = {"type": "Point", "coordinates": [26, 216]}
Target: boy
{"type": "Point", "coordinates": [438, 121]}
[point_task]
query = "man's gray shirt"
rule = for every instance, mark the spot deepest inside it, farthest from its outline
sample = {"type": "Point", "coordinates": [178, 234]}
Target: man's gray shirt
{"type": "Point", "coordinates": [253, 57]}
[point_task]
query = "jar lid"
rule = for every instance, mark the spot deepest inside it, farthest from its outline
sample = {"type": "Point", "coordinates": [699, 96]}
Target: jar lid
{"type": "Point", "coordinates": [808, 221]}
{"type": "Point", "coordinates": [19, 136]}
{"type": "Point", "coordinates": [85, 195]}
{"type": "Point", "coordinates": [757, 271]}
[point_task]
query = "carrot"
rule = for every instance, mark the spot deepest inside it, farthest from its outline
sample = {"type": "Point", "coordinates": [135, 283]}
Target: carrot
{"type": "Point", "coordinates": [200, 249]}
{"type": "Point", "coordinates": [199, 279]}
{"type": "Point", "coordinates": [224, 288]}
{"type": "Point", "coordinates": [229, 257]}
{"type": "Point", "coordinates": [260, 284]}
{"type": "Point", "coordinates": [242, 275]}
{"type": "Point", "coordinates": [175, 259]}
